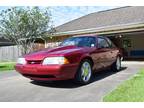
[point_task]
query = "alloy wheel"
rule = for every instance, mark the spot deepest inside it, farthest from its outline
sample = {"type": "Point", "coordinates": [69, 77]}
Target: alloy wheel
{"type": "Point", "coordinates": [86, 71]}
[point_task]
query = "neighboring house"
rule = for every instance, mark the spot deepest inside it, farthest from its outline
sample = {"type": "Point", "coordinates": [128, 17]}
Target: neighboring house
{"type": "Point", "coordinates": [5, 42]}
{"type": "Point", "coordinates": [124, 26]}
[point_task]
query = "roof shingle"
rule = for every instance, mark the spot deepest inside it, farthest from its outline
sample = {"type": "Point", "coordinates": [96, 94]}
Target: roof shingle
{"type": "Point", "coordinates": [112, 17]}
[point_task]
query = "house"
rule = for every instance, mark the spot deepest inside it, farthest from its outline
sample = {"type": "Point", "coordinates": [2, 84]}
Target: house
{"type": "Point", "coordinates": [124, 26]}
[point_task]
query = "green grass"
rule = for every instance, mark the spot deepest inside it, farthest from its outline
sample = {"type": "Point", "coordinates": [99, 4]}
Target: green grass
{"type": "Point", "coordinates": [4, 66]}
{"type": "Point", "coordinates": [130, 91]}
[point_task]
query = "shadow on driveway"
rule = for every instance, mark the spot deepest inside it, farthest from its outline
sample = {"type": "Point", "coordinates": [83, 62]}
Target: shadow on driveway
{"type": "Point", "coordinates": [70, 83]}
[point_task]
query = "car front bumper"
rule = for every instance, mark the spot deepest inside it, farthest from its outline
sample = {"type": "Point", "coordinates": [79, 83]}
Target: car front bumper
{"type": "Point", "coordinates": [47, 72]}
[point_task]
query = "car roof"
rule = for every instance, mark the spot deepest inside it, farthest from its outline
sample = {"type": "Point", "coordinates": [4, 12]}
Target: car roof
{"type": "Point", "coordinates": [89, 35]}
{"type": "Point", "coordinates": [85, 35]}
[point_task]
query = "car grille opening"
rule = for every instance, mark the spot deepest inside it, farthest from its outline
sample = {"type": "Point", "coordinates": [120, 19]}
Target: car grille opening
{"type": "Point", "coordinates": [34, 62]}
{"type": "Point", "coordinates": [39, 76]}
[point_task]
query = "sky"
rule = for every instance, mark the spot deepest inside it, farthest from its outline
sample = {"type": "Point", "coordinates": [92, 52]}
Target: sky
{"type": "Point", "coordinates": [63, 14]}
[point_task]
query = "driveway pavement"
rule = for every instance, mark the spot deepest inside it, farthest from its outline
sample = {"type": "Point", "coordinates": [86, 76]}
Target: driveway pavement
{"type": "Point", "coordinates": [14, 87]}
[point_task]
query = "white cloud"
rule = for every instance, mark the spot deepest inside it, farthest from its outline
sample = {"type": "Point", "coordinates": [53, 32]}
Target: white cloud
{"type": "Point", "coordinates": [63, 14]}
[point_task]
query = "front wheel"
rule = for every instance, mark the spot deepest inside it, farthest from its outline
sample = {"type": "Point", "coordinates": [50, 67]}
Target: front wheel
{"type": "Point", "coordinates": [84, 73]}
{"type": "Point", "coordinates": [117, 65]}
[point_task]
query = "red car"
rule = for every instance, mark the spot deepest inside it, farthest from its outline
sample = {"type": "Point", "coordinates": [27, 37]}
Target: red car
{"type": "Point", "coordinates": [76, 58]}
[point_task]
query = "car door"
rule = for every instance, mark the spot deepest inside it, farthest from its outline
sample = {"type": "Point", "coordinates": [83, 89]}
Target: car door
{"type": "Point", "coordinates": [104, 51]}
{"type": "Point", "coordinates": [91, 43]}
{"type": "Point", "coordinates": [98, 55]}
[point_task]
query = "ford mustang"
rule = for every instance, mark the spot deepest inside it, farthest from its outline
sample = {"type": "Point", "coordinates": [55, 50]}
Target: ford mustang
{"type": "Point", "coordinates": [77, 58]}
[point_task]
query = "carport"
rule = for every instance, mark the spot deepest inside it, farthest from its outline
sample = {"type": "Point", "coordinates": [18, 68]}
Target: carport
{"type": "Point", "coordinates": [131, 44]}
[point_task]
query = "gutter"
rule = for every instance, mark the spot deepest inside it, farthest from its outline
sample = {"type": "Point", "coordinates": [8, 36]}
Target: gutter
{"type": "Point", "coordinates": [106, 30]}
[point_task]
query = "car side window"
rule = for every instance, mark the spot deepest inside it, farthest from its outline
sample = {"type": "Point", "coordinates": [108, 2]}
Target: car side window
{"type": "Point", "coordinates": [102, 43]}
{"type": "Point", "coordinates": [87, 41]}
{"type": "Point", "coordinates": [91, 41]}
{"type": "Point", "coordinates": [111, 43]}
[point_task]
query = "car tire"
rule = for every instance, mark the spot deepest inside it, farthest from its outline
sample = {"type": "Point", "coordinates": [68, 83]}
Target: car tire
{"type": "Point", "coordinates": [116, 65]}
{"type": "Point", "coordinates": [84, 73]}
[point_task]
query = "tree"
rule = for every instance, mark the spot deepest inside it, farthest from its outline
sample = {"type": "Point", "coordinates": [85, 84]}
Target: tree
{"type": "Point", "coordinates": [23, 25]}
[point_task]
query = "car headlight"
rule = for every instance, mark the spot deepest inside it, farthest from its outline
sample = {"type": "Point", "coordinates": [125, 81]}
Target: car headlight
{"type": "Point", "coordinates": [21, 61]}
{"type": "Point", "coordinates": [55, 60]}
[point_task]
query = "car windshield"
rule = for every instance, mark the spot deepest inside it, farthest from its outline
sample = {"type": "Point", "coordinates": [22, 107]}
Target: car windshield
{"type": "Point", "coordinates": [80, 41]}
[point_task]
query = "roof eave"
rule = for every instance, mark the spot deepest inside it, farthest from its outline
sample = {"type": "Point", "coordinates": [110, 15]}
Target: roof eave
{"type": "Point", "coordinates": [106, 30]}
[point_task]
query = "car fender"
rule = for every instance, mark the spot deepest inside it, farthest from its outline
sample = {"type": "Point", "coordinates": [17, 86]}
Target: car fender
{"type": "Point", "coordinates": [84, 56]}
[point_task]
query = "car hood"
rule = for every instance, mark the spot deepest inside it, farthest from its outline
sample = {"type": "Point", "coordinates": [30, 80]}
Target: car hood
{"type": "Point", "coordinates": [58, 51]}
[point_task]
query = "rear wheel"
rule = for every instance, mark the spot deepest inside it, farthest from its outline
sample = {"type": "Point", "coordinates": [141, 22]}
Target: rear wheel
{"type": "Point", "coordinates": [117, 65]}
{"type": "Point", "coordinates": [84, 73]}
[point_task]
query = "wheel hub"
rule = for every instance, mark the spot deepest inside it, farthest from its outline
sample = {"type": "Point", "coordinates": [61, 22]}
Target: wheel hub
{"type": "Point", "coordinates": [86, 71]}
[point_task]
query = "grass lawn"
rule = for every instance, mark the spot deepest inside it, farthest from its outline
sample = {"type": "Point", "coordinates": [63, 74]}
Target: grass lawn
{"type": "Point", "coordinates": [130, 91]}
{"type": "Point", "coordinates": [6, 66]}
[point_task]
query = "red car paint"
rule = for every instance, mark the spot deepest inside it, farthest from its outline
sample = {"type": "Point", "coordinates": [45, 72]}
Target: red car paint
{"type": "Point", "coordinates": [34, 69]}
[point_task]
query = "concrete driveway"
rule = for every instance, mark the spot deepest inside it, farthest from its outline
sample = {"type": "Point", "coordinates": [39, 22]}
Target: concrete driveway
{"type": "Point", "coordinates": [14, 87]}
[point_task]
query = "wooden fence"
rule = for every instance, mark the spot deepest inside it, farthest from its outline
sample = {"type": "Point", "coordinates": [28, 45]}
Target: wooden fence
{"type": "Point", "coordinates": [9, 53]}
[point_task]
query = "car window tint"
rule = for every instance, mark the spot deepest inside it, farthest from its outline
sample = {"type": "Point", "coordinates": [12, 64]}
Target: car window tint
{"type": "Point", "coordinates": [92, 41]}
{"type": "Point", "coordinates": [102, 43]}
{"type": "Point", "coordinates": [111, 43]}
{"type": "Point", "coordinates": [80, 41]}
{"type": "Point", "coordinates": [87, 41]}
